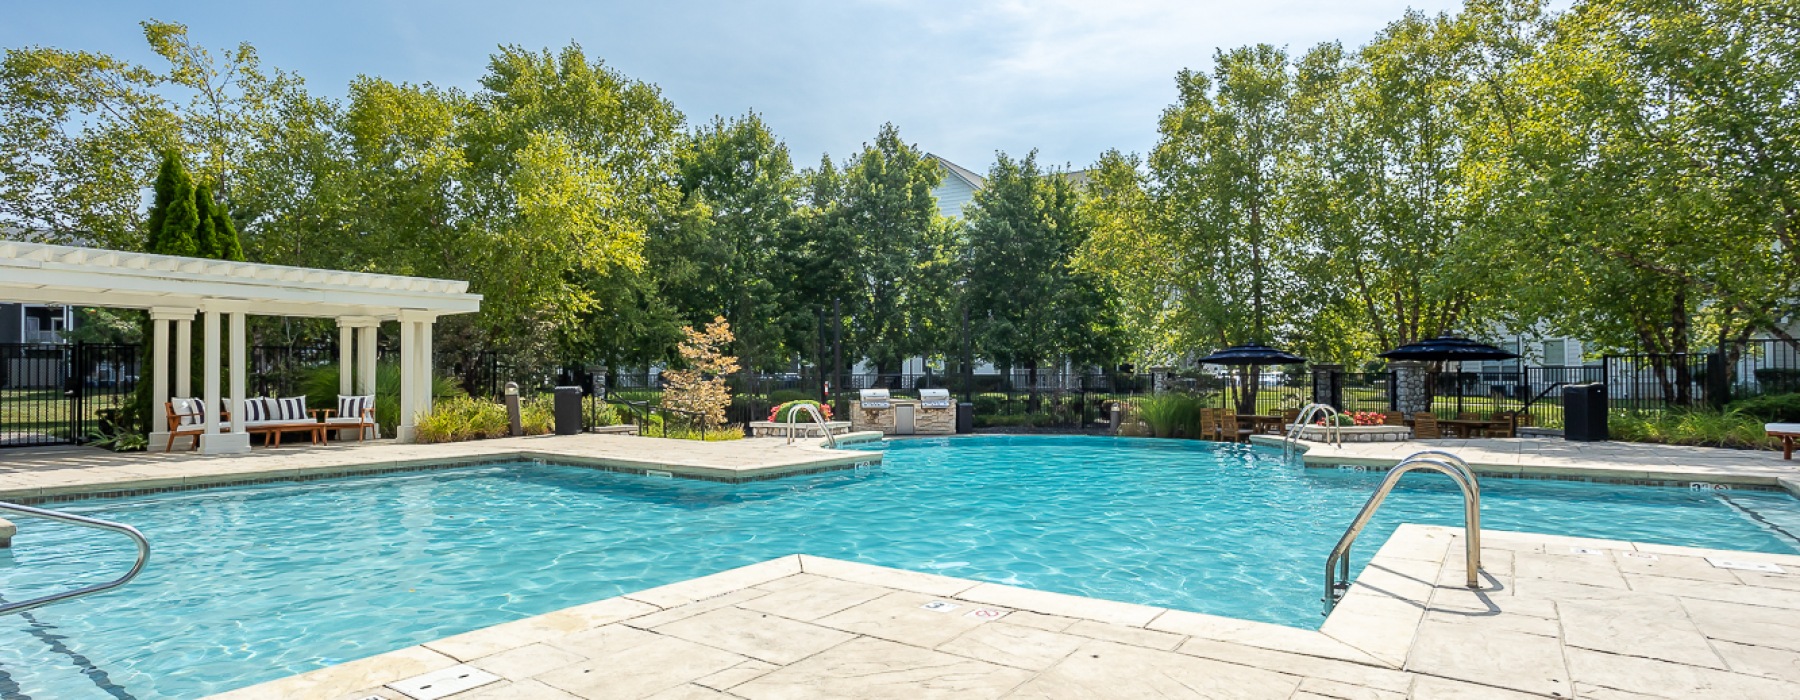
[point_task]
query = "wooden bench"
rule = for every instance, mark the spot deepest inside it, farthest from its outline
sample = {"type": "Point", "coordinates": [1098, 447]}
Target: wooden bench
{"type": "Point", "coordinates": [1788, 432]}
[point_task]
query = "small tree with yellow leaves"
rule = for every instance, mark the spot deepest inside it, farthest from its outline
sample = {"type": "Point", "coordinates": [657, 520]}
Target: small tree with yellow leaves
{"type": "Point", "coordinates": [700, 388]}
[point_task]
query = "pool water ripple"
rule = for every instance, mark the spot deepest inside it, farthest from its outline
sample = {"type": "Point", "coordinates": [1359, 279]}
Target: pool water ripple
{"type": "Point", "coordinates": [254, 583]}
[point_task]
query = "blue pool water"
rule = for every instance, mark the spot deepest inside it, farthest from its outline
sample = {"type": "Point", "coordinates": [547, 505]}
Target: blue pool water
{"type": "Point", "coordinates": [249, 584]}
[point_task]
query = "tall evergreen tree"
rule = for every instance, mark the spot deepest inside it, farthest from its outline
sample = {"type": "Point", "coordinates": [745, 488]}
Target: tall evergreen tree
{"type": "Point", "coordinates": [206, 238]}
{"type": "Point", "coordinates": [181, 219]}
{"type": "Point", "coordinates": [229, 246]}
{"type": "Point", "coordinates": [166, 175]}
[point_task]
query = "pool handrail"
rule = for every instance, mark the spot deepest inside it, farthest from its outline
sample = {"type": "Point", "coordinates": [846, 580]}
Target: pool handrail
{"type": "Point", "coordinates": [1332, 435]}
{"type": "Point", "coordinates": [817, 417]}
{"type": "Point", "coordinates": [1337, 566]}
{"type": "Point", "coordinates": [137, 567]}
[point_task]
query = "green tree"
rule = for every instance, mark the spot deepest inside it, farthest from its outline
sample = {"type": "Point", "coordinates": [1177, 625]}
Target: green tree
{"type": "Point", "coordinates": [181, 219]}
{"type": "Point", "coordinates": [725, 259]}
{"type": "Point", "coordinates": [888, 212]}
{"type": "Point", "coordinates": [207, 243]}
{"type": "Point", "coordinates": [1029, 306]}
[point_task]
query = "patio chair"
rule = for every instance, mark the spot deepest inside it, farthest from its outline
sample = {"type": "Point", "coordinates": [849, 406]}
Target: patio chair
{"type": "Point", "coordinates": [1425, 426]}
{"type": "Point", "coordinates": [1228, 427]}
{"type": "Point", "coordinates": [1288, 417]}
{"type": "Point", "coordinates": [1505, 425]}
{"type": "Point", "coordinates": [1209, 424]}
{"type": "Point", "coordinates": [1393, 418]}
{"type": "Point", "coordinates": [186, 416]}
{"type": "Point", "coordinates": [354, 412]}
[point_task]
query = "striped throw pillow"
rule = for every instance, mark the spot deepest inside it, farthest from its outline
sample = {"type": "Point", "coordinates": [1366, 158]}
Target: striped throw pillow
{"type": "Point", "coordinates": [353, 406]}
{"type": "Point", "coordinates": [256, 410]}
{"type": "Point", "coordinates": [293, 408]}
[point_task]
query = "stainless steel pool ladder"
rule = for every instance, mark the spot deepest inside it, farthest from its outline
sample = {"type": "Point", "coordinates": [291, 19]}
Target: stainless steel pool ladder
{"type": "Point", "coordinates": [1308, 412]}
{"type": "Point", "coordinates": [817, 417]}
{"type": "Point", "coordinates": [1337, 566]}
{"type": "Point", "coordinates": [143, 555]}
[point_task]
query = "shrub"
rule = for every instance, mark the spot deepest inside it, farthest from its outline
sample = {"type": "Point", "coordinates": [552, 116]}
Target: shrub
{"type": "Point", "coordinates": [1170, 413]}
{"type": "Point", "coordinates": [781, 396]}
{"type": "Point", "coordinates": [1778, 380]}
{"type": "Point", "coordinates": [784, 412]}
{"type": "Point", "coordinates": [1775, 408]}
{"type": "Point", "coordinates": [701, 388]}
{"type": "Point", "coordinates": [1702, 427]}
{"type": "Point", "coordinates": [320, 386]}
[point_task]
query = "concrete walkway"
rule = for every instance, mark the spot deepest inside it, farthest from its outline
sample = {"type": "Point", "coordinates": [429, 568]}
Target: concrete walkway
{"type": "Point", "coordinates": [1634, 462]}
{"type": "Point", "coordinates": [1557, 617]}
{"type": "Point", "coordinates": [36, 476]}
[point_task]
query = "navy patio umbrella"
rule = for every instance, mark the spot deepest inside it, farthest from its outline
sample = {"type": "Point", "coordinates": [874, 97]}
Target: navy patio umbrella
{"type": "Point", "coordinates": [1449, 348]}
{"type": "Point", "coordinates": [1252, 354]}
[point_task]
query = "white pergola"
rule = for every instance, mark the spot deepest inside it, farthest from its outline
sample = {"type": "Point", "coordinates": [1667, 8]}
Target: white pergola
{"type": "Point", "coordinates": [175, 289]}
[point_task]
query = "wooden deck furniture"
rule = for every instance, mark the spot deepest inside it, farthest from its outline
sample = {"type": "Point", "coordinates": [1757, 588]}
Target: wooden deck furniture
{"type": "Point", "coordinates": [1263, 424]}
{"type": "Point", "coordinates": [1787, 432]}
{"type": "Point", "coordinates": [185, 418]}
{"type": "Point", "coordinates": [1393, 418]}
{"type": "Point", "coordinates": [1228, 426]}
{"type": "Point", "coordinates": [1425, 426]}
{"type": "Point", "coordinates": [353, 413]}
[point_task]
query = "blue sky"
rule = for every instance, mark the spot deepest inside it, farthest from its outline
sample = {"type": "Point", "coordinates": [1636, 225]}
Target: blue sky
{"type": "Point", "coordinates": [960, 78]}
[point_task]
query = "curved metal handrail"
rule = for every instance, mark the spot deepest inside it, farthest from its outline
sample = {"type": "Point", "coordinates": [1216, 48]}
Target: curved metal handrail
{"type": "Point", "coordinates": [1307, 413]}
{"type": "Point", "coordinates": [1337, 566]}
{"type": "Point", "coordinates": [143, 547]}
{"type": "Point", "coordinates": [817, 417]}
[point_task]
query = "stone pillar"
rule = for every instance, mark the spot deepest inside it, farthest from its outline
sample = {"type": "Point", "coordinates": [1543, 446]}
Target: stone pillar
{"type": "Point", "coordinates": [1410, 395]}
{"type": "Point", "coordinates": [1159, 379]}
{"type": "Point", "coordinates": [1328, 385]}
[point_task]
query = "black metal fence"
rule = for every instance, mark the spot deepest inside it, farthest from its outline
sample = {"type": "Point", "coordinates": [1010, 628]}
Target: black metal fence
{"type": "Point", "coordinates": [1714, 378]}
{"type": "Point", "coordinates": [54, 394]}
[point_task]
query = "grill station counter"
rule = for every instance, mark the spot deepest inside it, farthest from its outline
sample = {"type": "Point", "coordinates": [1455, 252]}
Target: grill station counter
{"type": "Point", "coordinates": [933, 413]}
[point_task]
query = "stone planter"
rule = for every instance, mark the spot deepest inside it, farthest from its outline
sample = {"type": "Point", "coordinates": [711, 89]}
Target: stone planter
{"type": "Point", "coordinates": [1357, 433]}
{"type": "Point", "coordinates": [763, 428]}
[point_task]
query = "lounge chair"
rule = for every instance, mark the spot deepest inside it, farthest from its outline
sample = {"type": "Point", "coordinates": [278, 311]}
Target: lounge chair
{"type": "Point", "coordinates": [353, 413]}
{"type": "Point", "coordinates": [1788, 432]}
{"type": "Point", "coordinates": [187, 416]}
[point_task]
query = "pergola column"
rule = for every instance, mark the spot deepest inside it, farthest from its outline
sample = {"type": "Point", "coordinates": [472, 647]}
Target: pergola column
{"type": "Point", "coordinates": [356, 359]}
{"type": "Point", "coordinates": [346, 347]}
{"type": "Point", "coordinates": [415, 370]}
{"type": "Point", "coordinates": [160, 321]}
{"type": "Point", "coordinates": [212, 441]}
{"type": "Point", "coordinates": [184, 354]}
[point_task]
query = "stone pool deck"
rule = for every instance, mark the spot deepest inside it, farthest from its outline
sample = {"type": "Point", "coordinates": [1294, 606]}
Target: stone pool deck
{"type": "Point", "coordinates": [1631, 462]}
{"type": "Point", "coordinates": [1557, 617]}
{"type": "Point", "coordinates": [38, 476]}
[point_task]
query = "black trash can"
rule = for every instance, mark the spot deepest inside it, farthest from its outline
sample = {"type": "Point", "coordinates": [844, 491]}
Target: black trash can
{"type": "Point", "coordinates": [568, 410]}
{"type": "Point", "coordinates": [965, 418]}
{"type": "Point", "coordinates": [1584, 413]}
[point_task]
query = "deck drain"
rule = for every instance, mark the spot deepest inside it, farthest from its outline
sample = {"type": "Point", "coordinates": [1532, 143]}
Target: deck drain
{"type": "Point", "coordinates": [1764, 567]}
{"type": "Point", "coordinates": [444, 682]}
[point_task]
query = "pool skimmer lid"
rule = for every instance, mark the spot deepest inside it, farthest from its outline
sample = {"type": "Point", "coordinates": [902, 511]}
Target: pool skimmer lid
{"type": "Point", "coordinates": [1764, 567]}
{"type": "Point", "coordinates": [443, 682]}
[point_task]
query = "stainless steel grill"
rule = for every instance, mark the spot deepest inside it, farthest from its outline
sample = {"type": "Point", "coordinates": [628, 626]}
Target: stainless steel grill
{"type": "Point", "coordinates": [876, 398]}
{"type": "Point", "coordinates": [934, 398]}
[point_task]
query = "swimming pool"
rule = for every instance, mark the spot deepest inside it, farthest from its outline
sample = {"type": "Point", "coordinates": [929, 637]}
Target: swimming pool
{"type": "Point", "coordinates": [254, 583]}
